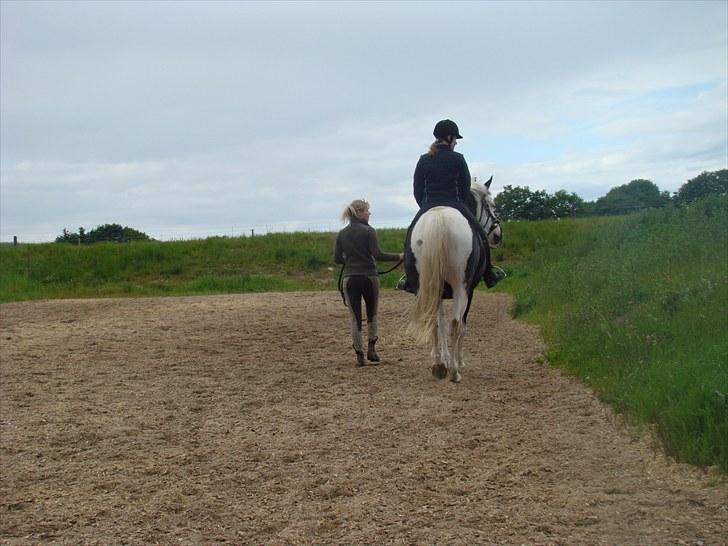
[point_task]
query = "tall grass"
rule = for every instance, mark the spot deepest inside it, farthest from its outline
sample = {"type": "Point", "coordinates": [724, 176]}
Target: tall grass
{"type": "Point", "coordinates": [636, 307]}
{"type": "Point", "coordinates": [279, 261]}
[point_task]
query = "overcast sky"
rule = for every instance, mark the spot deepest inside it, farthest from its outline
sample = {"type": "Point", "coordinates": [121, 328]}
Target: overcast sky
{"type": "Point", "coordinates": [193, 119]}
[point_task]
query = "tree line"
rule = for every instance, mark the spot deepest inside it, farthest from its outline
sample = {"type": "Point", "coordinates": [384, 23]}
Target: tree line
{"type": "Point", "coordinates": [520, 203]}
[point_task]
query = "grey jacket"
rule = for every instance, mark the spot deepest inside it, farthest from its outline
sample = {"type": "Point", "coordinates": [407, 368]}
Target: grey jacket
{"type": "Point", "coordinates": [357, 247]}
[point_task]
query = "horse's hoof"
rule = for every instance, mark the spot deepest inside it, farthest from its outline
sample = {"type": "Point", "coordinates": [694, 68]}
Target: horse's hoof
{"type": "Point", "coordinates": [456, 377]}
{"type": "Point", "coordinates": [439, 371]}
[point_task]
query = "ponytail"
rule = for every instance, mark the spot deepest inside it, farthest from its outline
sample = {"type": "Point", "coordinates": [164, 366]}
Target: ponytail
{"type": "Point", "coordinates": [434, 146]}
{"type": "Point", "coordinates": [357, 205]}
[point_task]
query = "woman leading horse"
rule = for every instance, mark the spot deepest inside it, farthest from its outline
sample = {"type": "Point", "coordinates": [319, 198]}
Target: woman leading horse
{"type": "Point", "coordinates": [357, 247]}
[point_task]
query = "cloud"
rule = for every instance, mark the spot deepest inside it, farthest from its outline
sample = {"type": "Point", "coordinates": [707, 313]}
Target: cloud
{"type": "Point", "coordinates": [192, 117]}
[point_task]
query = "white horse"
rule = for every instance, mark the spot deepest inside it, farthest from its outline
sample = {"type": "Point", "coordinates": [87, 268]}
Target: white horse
{"type": "Point", "coordinates": [442, 243]}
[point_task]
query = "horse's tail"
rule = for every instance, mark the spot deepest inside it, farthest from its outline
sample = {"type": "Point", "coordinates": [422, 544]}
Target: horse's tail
{"type": "Point", "coordinates": [431, 265]}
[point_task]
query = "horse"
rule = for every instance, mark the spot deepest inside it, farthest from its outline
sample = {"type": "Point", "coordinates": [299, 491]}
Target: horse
{"type": "Point", "coordinates": [443, 245]}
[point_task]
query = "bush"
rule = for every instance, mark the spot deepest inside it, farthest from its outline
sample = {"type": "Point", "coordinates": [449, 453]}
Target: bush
{"type": "Point", "coordinates": [107, 232]}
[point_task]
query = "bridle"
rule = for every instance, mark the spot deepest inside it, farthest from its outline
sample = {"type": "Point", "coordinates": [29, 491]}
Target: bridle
{"type": "Point", "coordinates": [487, 218]}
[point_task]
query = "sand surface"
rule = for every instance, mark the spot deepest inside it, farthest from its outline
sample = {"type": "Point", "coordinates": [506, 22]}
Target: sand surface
{"type": "Point", "coordinates": [241, 419]}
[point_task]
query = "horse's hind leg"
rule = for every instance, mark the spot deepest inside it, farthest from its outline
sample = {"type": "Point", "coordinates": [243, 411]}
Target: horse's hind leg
{"type": "Point", "coordinates": [443, 333]}
{"type": "Point", "coordinates": [457, 332]}
{"type": "Point", "coordinates": [439, 370]}
{"type": "Point", "coordinates": [457, 335]}
{"type": "Point", "coordinates": [440, 354]}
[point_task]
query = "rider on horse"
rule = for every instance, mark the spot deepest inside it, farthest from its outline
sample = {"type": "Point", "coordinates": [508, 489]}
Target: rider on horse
{"type": "Point", "coordinates": [442, 178]}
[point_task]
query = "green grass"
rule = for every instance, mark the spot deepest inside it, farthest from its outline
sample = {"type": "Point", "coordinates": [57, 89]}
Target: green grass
{"type": "Point", "coordinates": [273, 262]}
{"type": "Point", "coordinates": [634, 306]}
{"type": "Point", "coordinates": [280, 262]}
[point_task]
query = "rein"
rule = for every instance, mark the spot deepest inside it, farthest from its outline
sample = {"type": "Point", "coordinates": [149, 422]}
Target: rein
{"type": "Point", "coordinates": [341, 277]}
{"type": "Point", "coordinates": [390, 269]}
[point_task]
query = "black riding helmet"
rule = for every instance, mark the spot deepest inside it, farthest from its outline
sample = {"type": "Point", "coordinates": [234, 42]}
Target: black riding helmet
{"type": "Point", "coordinates": [445, 128]}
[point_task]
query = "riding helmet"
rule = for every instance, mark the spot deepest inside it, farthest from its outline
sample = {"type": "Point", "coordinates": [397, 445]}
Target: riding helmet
{"type": "Point", "coordinates": [446, 127]}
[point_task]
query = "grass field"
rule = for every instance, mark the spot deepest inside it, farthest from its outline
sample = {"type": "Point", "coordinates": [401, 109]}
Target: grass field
{"type": "Point", "coordinates": [635, 305]}
{"type": "Point", "coordinates": [279, 262]}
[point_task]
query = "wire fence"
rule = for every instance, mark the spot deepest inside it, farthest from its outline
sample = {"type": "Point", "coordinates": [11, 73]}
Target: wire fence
{"type": "Point", "coordinates": [182, 234]}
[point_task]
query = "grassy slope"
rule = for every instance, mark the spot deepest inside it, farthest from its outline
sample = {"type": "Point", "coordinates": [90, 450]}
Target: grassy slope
{"type": "Point", "coordinates": [634, 306]}
{"type": "Point", "coordinates": [272, 262]}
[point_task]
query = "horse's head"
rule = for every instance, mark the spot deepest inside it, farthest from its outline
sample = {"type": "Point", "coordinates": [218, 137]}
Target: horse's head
{"type": "Point", "coordinates": [486, 211]}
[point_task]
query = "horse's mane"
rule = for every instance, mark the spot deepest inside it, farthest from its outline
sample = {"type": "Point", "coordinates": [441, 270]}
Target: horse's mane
{"type": "Point", "coordinates": [478, 188]}
{"type": "Point", "coordinates": [481, 191]}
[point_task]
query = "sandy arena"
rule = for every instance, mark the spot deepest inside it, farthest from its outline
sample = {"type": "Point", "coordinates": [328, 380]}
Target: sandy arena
{"type": "Point", "coordinates": [241, 419]}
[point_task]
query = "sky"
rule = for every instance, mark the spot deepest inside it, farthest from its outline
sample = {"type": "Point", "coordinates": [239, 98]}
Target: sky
{"type": "Point", "coordinates": [195, 119]}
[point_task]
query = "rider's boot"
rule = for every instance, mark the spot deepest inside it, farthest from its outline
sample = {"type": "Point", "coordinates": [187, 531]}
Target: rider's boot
{"type": "Point", "coordinates": [493, 276]}
{"type": "Point", "coordinates": [403, 284]}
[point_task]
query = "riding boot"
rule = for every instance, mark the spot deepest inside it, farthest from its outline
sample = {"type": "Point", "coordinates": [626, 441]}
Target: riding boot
{"type": "Point", "coordinates": [372, 355]}
{"type": "Point", "coordinates": [493, 276]}
{"type": "Point", "coordinates": [372, 336]}
{"type": "Point", "coordinates": [358, 349]}
{"type": "Point", "coordinates": [403, 284]}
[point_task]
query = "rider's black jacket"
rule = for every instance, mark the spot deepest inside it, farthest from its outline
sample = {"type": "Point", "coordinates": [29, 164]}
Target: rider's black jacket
{"type": "Point", "coordinates": [442, 178]}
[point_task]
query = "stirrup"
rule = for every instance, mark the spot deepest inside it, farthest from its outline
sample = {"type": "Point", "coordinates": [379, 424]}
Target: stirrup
{"type": "Point", "coordinates": [403, 285]}
{"type": "Point", "coordinates": [494, 276]}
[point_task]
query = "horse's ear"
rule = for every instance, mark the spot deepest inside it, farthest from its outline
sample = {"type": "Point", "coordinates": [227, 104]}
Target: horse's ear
{"type": "Point", "coordinates": [487, 184]}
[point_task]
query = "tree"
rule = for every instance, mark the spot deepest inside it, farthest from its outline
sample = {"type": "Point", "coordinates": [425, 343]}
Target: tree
{"type": "Point", "coordinates": [706, 183]}
{"type": "Point", "coordinates": [107, 232]}
{"type": "Point", "coordinates": [512, 203]}
{"type": "Point", "coordinates": [68, 237]}
{"type": "Point", "coordinates": [537, 206]}
{"type": "Point", "coordinates": [523, 204]}
{"type": "Point", "coordinates": [115, 232]}
{"type": "Point", "coordinates": [637, 195]}
{"type": "Point", "coordinates": [563, 204]}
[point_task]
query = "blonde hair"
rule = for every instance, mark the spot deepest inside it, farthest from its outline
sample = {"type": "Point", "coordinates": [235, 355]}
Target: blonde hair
{"type": "Point", "coordinates": [433, 147]}
{"type": "Point", "coordinates": [357, 205]}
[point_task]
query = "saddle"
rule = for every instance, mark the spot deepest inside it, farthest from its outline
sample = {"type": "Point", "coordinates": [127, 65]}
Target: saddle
{"type": "Point", "coordinates": [473, 271]}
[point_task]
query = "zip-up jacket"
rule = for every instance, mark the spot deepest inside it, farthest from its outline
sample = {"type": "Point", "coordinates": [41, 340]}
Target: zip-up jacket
{"type": "Point", "coordinates": [444, 179]}
{"type": "Point", "coordinates": [441, 178]}
{"type": "Point", "coordinates": [357, 247]}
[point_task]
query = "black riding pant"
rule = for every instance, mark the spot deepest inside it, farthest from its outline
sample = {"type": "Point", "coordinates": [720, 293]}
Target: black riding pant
{"type": "Point", "coordinates": [356, 288]}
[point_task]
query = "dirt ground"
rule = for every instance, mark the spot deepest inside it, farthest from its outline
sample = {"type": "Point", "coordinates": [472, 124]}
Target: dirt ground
{"type": "Point", "coordinates": [242, 419]}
